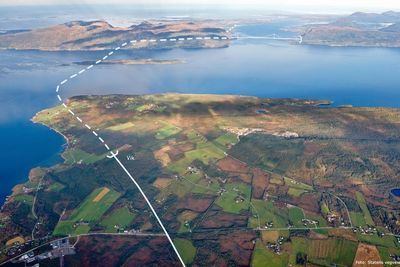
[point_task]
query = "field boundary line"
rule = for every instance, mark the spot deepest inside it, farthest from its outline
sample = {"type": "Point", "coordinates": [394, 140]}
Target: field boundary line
{"type": "Point", "coordinates": [102, 141]}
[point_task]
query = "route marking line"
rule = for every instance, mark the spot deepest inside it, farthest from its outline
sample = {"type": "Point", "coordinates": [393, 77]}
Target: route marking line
{"type": "Point", "coordinates": [114, 155]}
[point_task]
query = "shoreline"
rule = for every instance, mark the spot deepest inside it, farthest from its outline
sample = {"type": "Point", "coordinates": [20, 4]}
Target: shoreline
{"type": "Point", "coordinates": [14, 189]}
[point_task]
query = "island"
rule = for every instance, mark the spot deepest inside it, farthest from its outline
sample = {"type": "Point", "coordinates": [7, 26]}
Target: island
{"type": "Point", "coordinates": [100, 35]}
{"type": "Point", "coordinates": [236, 180]}
{"type": "Point", "coordinates": [358, 29]}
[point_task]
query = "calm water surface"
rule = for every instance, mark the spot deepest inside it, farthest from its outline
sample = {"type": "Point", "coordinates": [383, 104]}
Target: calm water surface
{"type": "Point", "coordinates": [356, 76]}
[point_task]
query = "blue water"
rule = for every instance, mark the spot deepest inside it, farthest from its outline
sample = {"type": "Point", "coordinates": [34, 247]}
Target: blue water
{"type": "Point", "coordinates": [396, 192]}
{"type": "Point", "coordinates": [356, 76]}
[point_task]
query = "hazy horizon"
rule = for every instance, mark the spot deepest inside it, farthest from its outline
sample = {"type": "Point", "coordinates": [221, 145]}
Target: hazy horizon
{"type": "Point", "coordinates": [293, 6]}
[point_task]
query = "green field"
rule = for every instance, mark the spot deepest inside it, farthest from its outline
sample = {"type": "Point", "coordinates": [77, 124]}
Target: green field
{"type": "Point", "coordinates": [167, 131]}
{"type": "Point", "coordinates": [357, 218]}
{"type": "Point", "coordinates": [268, 212]}
{"type": "Point", "coordinates": [226, 139]}
{"type": "Point", "coordinates": [385, 241]}
{"type": "Point", "coordinates": [75, 155]}
{"type": "Point", "coordinates": [56, 187]}
{"type": "Point", "coordinates": [88, 211]}
{"type": "Point", "coordinates": [227, 200]}
{"type": "Point", "coordinates": [27, 199]}
{"type": "Point", "coordinates": [121, 126]}
{"type": "Point", "coordinates": [121, 217]}
{"type": "Point", "coordinates": [186, 249]}
{"type": "Point", "coordinates": [363, 205]}
{"type": "Point", "coordinates": [204, 152]}
{"type": "Point", "coordinates": [296, 214]}
{"type": "Point", "coordinates": [299, 185]}
{"type": "Point", "coordinates": [264, 257]}
{"type": "Point", "coordinates": [324, 252]}
{"type": "Point", "coordinates": [324, 208]}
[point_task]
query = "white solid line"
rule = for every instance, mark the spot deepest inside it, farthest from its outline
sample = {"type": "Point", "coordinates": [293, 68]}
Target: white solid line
{"type": "Point", "coordinates": [73, 76]}
{"type": "Point", "coordinates": [59, 97]}
{"type": "Point", "coordinates": [101, 139]}
{"type": "Point", "coordinates": [79, 119]}
{"type": "Point", "coordinates": [152, 209]}
{"type": "Point", "coordinates": [124, 44]}
{"type": "Point", "coordinates": [105, 57]}
{"type": "Point", "coordinates": [64, 81]}
{"type": "Point", "coordinates": [98, 61]}
{"type": "Point", "coordinates": [65, 106]}
{"type": "Point", "coordinates": [70, 111]}
{"type": "Point", "coordinates": [87, 126]}
{"type": "Point", "coordinates": [118, 48]}
{"type": "Point", "coordinates": [58, 87]}
{"type": "Point", "coordinates": [112, 52]}
{"type": "Point", "coordinates": [107, 146]}
{"type": "Point", "coordinates": [94, 133]}
{"type": "Point", "coordinates": [163, 40]}
{"type": "Point", "coordinates": [89, 67]}
{"type": "Point", "coordinates": [82, 71]}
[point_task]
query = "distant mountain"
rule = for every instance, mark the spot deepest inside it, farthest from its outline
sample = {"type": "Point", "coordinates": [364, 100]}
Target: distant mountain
{"type": "Point", "coordinates": [99, 35]}
{"type": "Point", "coordinates": [358, 29]}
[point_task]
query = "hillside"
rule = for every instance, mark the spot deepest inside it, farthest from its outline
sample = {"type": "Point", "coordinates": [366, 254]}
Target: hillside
{"type": "Point", "coordinates": [100, 35]}
{"type": "Point", "coordinates": [236, 180]}
{"type": "Point", "coordinates": [358, 29]}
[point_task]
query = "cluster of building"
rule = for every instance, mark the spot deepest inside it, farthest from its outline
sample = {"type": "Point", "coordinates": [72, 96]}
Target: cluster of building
{"type": "Point", "coordinates": [57, 249]}
{"type": "Point", "coordinates": [276, 247]}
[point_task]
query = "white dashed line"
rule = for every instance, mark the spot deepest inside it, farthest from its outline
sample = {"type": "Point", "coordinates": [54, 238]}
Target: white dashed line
{"type": "Point", "coordinates": [114, 155]}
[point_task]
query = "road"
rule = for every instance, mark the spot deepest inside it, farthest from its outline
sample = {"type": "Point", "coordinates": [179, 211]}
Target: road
{"type": "Point", "coordinates": [98, 136]}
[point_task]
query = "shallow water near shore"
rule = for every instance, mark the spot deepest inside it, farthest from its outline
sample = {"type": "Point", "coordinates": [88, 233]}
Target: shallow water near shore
{"type": "Point", "coordinates": [356, 76]}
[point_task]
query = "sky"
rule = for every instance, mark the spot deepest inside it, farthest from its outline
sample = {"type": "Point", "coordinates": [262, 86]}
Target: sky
{"type": "Point", "coordinates": [317, 6]}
